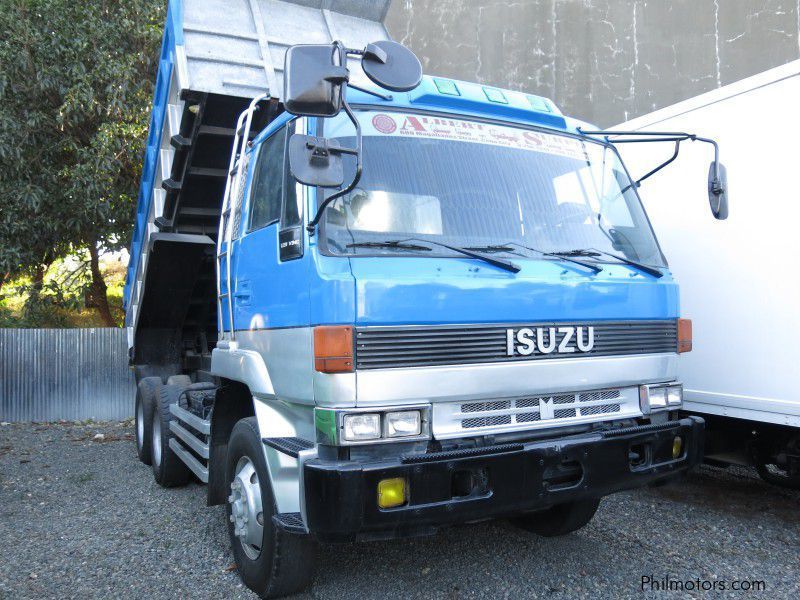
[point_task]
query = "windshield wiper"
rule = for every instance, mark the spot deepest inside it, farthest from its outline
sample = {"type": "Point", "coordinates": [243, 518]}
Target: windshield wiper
{"type": "Point", "coordinates": [497, 262]}
{"type": "Point", "coordinates": [587, 265]}
{"type": "Point", "coordinates": [595, 252]}
{"type": "Point", "coordinates": [405, 245]}
{"type": "Point", "coordinates": [391, 244]}
{"type": "Point", "coordinates": [491, 248]}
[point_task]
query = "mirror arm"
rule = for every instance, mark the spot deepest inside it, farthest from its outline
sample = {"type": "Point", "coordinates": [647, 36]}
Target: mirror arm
{"type": "Point", "coordinates": [357, 152]}
{"type": "Point", "coordinates": [370, 92]}
{"type": "Point", "coordinates": [660, 136]}
{"type": "Point", "coordinates": [661, 166]}
{"type": "Point", "coordinates": [717, 188]}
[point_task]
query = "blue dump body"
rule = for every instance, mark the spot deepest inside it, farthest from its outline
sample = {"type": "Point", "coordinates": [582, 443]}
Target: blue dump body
{"type": "Point", "coordinates": [173, 37]}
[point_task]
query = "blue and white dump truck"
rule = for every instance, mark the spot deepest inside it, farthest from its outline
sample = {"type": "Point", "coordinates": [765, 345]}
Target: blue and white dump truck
{"type": "Point", "coordinates": [363, 303]}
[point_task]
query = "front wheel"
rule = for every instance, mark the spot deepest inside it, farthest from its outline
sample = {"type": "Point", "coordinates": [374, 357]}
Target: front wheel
{"type": "Point", "coordinates": [271, 562]}
{"type": "Point", "coordinates": [560, 519]}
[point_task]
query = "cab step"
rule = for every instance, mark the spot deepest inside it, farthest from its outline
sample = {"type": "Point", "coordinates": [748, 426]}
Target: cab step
{"type": "Point", "coordinates": [289, 445]}
{"type": "Point", "coordinates": [290, 523]}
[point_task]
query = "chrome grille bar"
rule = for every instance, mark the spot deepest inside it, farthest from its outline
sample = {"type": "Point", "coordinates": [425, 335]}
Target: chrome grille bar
{"type": "Point", "coordinates": [410, 346]}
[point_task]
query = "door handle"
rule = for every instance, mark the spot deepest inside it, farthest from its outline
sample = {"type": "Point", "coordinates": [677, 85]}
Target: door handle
{"type": "Point", "coordinates": [242, 293]}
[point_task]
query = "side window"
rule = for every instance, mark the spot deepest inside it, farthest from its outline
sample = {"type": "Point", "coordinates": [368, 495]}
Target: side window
{"type": "Point", "coordinates": [269, 182]}
{"type": "Point", "coordinates": [292, 210]}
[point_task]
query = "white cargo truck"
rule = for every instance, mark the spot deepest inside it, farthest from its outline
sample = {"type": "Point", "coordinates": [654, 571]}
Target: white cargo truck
{"type": "Point", "coordinates": [737, 279]}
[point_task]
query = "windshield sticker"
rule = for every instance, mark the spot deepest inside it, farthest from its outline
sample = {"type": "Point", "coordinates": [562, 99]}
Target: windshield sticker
{"type": "Point", "coordinates": [428, 127]}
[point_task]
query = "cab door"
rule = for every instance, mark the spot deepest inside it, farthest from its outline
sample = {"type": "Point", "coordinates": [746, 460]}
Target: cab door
{"type": "Point", "coordinates": [271, 290]}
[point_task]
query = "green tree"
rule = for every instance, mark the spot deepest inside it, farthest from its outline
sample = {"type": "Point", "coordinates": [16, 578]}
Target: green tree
{"type": "Point", "coordinates": [76, 84]}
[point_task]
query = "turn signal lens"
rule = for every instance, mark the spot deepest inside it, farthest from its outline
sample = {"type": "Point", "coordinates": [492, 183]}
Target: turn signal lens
{"type": "Point", "coordinates": [684, 335]}
{"type": "Point", "coordinates": [391, 492]}
{"type": "Point", "coordinates": [333, 349]}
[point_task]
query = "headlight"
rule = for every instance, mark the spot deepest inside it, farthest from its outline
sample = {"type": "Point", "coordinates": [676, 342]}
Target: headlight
{"type": "Point", "coordinates": [402, 424]}
{"type": "Point", "coordinates": [374, 425]}
{"type": "Point", "coordinates": [675, 395]}
{"type": "Point", "coordinates": [660, 397]}
{"type": "Point", "coordinates": [360, 427]}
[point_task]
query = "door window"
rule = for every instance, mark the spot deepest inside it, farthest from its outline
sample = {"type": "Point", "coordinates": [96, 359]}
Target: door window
{"type": "Point", "coordinates": [269, 182]}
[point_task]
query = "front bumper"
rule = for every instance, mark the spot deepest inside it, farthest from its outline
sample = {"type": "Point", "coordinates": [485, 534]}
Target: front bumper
{"type": "Point", "coordinates": [475, 484]}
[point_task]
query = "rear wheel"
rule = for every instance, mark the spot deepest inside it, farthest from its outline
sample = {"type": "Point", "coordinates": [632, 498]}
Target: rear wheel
{"type": "Point", "coordinates": [560, 519]}
{"type": "Point", "coordinates": [271, 562]}
{"type": "Point", "coordinates": [168, 469]}
{"type": "Point", "coordinates": [145, 402]}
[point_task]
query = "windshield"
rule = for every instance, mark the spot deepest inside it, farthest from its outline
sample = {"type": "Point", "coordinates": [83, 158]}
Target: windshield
{"type": "Point", "coordinates": [471, 184]}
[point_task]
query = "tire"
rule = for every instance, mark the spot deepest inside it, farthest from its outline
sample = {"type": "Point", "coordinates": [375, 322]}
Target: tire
{"type": "Point", "coordinates": [778, 475]}
{"type": "Point", "coordinates": [168, 469]}
{"type": "Point", "coordinates": [145, 401]}
{"type": "Point", "coordinates": [181, 380]}
{"type": "Point", "coordinates": [560, 519]}
{"type": "Point", "coordinates": [777, 462]}
{"type": "Point", "coordinates": [284, 563]}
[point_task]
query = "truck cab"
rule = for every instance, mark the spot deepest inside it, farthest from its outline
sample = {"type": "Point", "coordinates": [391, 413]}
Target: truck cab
{"type": "Point", "coordinates": [378, 343]}
{"type": "Point", "coordinates": [480, 325]}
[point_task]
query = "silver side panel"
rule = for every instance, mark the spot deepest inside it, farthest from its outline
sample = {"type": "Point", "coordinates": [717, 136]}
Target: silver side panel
{"type": "Point", "coordinates": [245, 366]}
{"type": "Point", "coordinates": [277, 366]}
{"type": "Point", "coordinates": [288, 359]}
{"type": "Point", "coordinates": [502, 380]}
{"type": "Point", "coordinates": [237, 47]}
{"type": "Point", "coordinates": [282, 419]}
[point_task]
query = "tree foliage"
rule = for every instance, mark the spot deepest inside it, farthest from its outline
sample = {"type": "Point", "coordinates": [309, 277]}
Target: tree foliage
{"type": "Point", "coordinates": [76, 84]}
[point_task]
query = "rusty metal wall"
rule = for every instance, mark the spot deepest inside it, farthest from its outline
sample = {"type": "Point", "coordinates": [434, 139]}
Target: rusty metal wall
{"type": "Point", "coordinates": [69, 374]}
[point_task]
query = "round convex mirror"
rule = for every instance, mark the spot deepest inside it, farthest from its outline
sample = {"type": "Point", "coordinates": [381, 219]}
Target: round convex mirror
{"type": "Point", "coordinates": [401, 70]}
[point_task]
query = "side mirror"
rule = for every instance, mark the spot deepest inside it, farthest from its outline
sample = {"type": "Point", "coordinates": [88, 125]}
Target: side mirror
{"type": "Point", "coordinates": [316, 161]}
{"type": "Point", "coordinates": [313, 80]}
{"type": "Point", "coordinates": [718, 190]}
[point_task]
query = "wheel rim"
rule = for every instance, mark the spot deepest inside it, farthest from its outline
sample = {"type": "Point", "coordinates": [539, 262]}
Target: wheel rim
{"type": "Point", "coordinates": [139, 425]}
{"type": "Point", "coordinates": [156, 439]}
{"type": "Point", "coordinates": [247, 514]}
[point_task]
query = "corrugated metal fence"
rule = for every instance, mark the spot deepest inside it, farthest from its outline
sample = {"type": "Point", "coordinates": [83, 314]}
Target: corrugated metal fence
{"type": "Point", "coordinates": [70, 374]}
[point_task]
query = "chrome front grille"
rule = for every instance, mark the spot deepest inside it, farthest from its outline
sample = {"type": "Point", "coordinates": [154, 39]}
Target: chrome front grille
{"type": "Point", "coordinates": [451, 419]}
{"type": "Point", "coordinates": [422, 346]}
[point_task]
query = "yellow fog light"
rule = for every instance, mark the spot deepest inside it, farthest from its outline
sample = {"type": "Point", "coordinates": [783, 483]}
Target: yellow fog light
{"type": "Point", "coordinates": [677, 446]}
{"type": "Point", "coordinates": [391, 492]}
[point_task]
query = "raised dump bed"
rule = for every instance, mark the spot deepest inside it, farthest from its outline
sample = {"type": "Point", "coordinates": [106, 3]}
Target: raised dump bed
{"type": "Point", "coordinates": [216, 56]}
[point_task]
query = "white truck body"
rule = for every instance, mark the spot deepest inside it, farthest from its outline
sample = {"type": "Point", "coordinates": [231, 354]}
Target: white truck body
{"type": "Point", "coordinates": [737, 276]}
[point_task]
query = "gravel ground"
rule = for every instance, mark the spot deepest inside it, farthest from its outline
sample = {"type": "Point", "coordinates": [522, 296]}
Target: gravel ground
{"type": "Point", "coordinates": [81, 517]}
